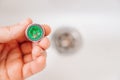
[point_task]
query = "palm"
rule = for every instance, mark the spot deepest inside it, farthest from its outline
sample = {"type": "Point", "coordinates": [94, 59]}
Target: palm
{"type": "Point", "coordinates": [11, 62]}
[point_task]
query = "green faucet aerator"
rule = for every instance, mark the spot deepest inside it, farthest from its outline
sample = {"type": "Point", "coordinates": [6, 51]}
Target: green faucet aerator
{"type": "Point", "coordinates": [34, 32]}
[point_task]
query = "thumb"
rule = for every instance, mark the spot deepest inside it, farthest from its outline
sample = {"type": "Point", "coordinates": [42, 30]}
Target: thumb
{"type": "Point", "coordinates": [14, 32]}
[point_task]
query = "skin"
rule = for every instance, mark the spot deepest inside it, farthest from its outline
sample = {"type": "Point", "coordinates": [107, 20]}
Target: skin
{"type": "Point", "coordinates": [20, 58]}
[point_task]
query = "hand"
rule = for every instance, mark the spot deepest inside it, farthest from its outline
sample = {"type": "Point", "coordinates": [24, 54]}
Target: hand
{"type": "Point", "coordinates": [20, 58]}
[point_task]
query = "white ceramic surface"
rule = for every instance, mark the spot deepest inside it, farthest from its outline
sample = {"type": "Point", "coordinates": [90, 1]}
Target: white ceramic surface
{"type": "Point", "coordinates": [98, 21]}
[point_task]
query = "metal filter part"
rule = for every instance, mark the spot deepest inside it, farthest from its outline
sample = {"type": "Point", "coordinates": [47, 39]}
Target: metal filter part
{"type": "Point", "coordinates": [34, 32]}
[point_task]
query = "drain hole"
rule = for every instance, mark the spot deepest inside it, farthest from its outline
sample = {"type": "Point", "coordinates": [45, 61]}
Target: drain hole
{"type": "Point", "coordinates": [67, 40]}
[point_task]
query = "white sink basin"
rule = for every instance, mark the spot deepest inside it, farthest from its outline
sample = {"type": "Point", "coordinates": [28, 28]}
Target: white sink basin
{"type": "Point", "coordinates": [98, 21]}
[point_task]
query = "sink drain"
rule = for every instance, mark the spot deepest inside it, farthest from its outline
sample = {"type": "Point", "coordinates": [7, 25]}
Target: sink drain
{"type": "Point", "coordinates": [67, 40]}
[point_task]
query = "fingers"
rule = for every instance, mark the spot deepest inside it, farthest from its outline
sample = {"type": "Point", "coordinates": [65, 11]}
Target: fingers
{"type": "Point", "coordinates": [35, 66]}
{"type": "Point", "coordinates": [27, 58]}
{"type": "Point", "coordinates": [13, 55]}
{"type": "Point", "coordinates": [3, 55]}
{"type": "Point", "coordinates": [33, 52]}
{"type": "Point", "coordinates": [39, 58]}
{"type": "Point", "coordinates": [26, 47]}
{"type": "Point", "coordinates": [36, 61]}
{"type": "Point", "coordinates": [44, 43]}
{"type": "Point", "coordinates": [14, 32]}
{"type": "Point", "coordinates": [40, 47]}
{"type": "Point", "coordinates": [47, 29]}
{"type": "Point", "coordinates": [14, 64]}
{"type": "Point", "coordinates": [36, 52]}
{"type": "Point", "coordinates": [1, 47]}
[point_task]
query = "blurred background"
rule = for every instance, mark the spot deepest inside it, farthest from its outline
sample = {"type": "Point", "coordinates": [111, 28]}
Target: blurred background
{"type": "Point", "coordinates": [97, 22]}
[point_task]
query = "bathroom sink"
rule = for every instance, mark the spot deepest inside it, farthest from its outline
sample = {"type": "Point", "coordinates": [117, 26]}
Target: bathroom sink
{"type": "Point", "coordinates": [98, 22]}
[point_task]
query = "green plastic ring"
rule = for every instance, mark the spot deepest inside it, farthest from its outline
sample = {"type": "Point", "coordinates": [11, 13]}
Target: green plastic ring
{"type": "Point", "coordinates": [34, 32]}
